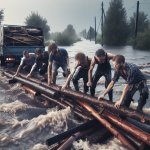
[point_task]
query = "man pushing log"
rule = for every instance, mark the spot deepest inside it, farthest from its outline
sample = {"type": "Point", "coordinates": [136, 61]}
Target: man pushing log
{"type": "Point", "coordinates": [135, 81]}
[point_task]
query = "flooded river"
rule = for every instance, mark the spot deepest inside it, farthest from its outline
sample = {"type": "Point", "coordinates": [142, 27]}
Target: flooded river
{"type": "Point", "coordinates": [25, 124]}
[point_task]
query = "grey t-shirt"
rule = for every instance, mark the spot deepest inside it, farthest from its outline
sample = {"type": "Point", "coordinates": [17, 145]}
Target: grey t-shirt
{"type": "Point", "coordinates": [133, 74]}
{"type": "Point", "coordinates": [28, 61]}
{"type": "Point", "coordinates": [60, 57]}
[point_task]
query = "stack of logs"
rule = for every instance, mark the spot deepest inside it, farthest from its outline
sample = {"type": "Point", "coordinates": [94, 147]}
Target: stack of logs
{"type": "Point", "coordinates": [131, 128]}
{"type": "Point", "coordinates": [22, 36]}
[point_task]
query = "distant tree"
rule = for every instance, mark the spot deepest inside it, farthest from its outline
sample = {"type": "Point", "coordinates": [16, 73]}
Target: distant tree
{"type": "Point", "coordinates": [143, 40]}
{"type": "Point", "coordinates": [142, 23]}
{"type": "Point", "coordinates": [67, 37]}
{"type": "Point", "coordinates": [70, 32]}
{"type": "Point", "coordinates": [1, 16]}
{"type": "Point", "coordinates": [35, 20]}
{"type": "Point", "coordinates": [91, 33]}
{"type": "Point", "coordinates": [83, 33]}
{"type": "Point", "coordinates": [115, 25]}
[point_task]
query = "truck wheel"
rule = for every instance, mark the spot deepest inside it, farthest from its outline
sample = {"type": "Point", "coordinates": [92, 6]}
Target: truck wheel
{"type": "Point", "coordinates": [3, 61]}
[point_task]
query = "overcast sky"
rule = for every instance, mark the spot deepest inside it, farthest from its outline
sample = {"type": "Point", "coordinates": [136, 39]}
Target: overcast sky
{"type": "Point", "coordinates": [60, 13]}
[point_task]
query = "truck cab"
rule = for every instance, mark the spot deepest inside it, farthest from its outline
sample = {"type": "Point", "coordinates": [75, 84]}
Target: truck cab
{"type": "Point", "coordinates": [15, 39]}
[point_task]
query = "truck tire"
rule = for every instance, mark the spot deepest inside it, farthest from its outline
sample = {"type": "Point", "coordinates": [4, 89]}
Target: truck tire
{"type": "Point", "coordinates": [3, 61]}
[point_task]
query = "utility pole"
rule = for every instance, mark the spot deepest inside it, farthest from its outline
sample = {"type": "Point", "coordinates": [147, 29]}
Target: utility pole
{"type": "Point", "coordinates": [90, 33]}
{"type": "Point", "coordinates": [95, 30]}
{"type": "Point", "coordinates": [137, 18]}
{"type": "Point", "coordinates": [102, 22]}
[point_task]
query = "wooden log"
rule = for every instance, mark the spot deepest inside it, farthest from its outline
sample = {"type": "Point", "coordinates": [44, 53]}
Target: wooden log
{"type": "Point", "coordinates": [70, 140]}
{"type": "Point", "coordinates": [17, 40]}
{"type": "Point", "coordinates": [144, 118]}
{"type": "Point", "coordinates": [107, 104]}
{"type": "Point", "coordinates": [128, 127]}
{"type": "Point", "coordinates": [45, 97]}
{"type": "Point", "coordinates": [128, 112]}
{"type": "Point", "coordinates": [137, 143]}
{"type": "Point", "coordinates": [143, 126]}
{"type": "Point", "coordinates": [68, 133]}
{"type": "Point", "coordinates": [81, 134]}
{"type": "Point", "coordinates": [29, 90]}
{"type": "Point", "coordinates": [76, 107]}
{"type": "Point", "coordinates": [114, 131]}
{"type": "Point", "coordinates": [65, 105]}
{"type": "Point", "coordinates": [34, 86]}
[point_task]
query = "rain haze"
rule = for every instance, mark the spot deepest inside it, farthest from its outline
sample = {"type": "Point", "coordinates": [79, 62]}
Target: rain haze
{"type": "Point", "coordinates": [60, 13]}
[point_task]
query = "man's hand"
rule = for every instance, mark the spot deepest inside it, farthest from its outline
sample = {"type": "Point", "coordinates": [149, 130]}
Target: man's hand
{"type": "Point", "coordinates": [29, 75]}
{"type": "Point", "coordinates": [89, 83]}
{"type": "Point", "coordinates": [101, 97]}
{"type": "Point", "coordinates": [63, 87]}
{"type": "Point", "coordinates": [16, 74]}
{"type": "Point", "coordinates": [117, 104]}
{"type": "Point", "coordinates": [49, 82]}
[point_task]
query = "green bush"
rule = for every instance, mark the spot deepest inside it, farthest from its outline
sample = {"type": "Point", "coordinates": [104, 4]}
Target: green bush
{"type": "Point", "coordinates": [66, 38]}
{"type": "Point", "coordinates": [143, 40]}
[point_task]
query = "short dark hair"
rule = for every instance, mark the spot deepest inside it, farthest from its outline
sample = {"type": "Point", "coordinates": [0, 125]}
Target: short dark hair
{"type": "Point", "coordinates": [80, 56]}
{"type": "Point", "coordinates": [100, 53]}
{"type": "Point", "coordinates": [52, 46]}
{"type": "Point", "coordinates": [25, 52]}
{"type": "Point", "coordinates": [119, 59]}
{"type": "Point", "coordinates": [38, 51]}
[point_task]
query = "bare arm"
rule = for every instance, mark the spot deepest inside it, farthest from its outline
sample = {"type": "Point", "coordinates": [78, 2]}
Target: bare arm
{"type": "Point", "coordinates": [49, 72]}
{"type": "Point", "coordinates": [69, 77]}
{"type": "Point", "coordinates": [90, 72]}
{"type": "Point", "coordinates": [117, 104]}
{"type": "Point", "coordinates": [67, 81]}
{"type": "Point", "coordinates": [17, 72]}
{"type": "Point", "coordinates": [110, 55]}
{"type": "Point", "coordinates": [31, 71]}
{"type": "Point", "coordinates": [109, 87]}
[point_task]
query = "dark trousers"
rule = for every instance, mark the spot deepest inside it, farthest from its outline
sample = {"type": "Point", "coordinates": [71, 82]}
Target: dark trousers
{"type": "Point", "coordinates": [43, 69]}
{"type": "Point", "coordinates": [144, 93]}
{"type": "Point", "coordinates": [27, 68]}
{"type": "Point", "coordinates": [80, 73]}
{"type": "Point", "coordinates": [98, 74]}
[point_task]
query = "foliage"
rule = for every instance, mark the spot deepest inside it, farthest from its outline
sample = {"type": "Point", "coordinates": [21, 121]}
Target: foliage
{"type": "Point", "coordinates": [91, 33]}
{"type": "Point", "coordinates": [83, 33]}
{"type": "Point", "coordinates": [1, 16]}
{"type": "Point", "coordinates": [35, 20]}
{"type": "Point", "coordinates": [143, 40]}
{"type": "Point", "coordinates": [67, 37]}
{"type": "Point", "coordinates": [115, 25]}
{"type": "Point", "coordinates": [142, 23]}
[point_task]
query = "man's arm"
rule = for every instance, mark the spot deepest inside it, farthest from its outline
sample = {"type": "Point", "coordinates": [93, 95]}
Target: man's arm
{"type": "Point", "coordinates": [109, 87]}
{"type": "Point", "coordinates": [18, 70]}
{"type": "Point", "coordinates": [118, 103]}
{"type": "Point", "coordinates": [90, 72]}
{"type": "Point", "coordinates": [110, 55]}
{"type": "Point", "coordinates": [69, 78]}
{"type": "Point", "coordinates": [31, 71]}
{"type": "Point", "coordinates": [20, 66]}
{"type": "Point", "coordinates": [49, 72]}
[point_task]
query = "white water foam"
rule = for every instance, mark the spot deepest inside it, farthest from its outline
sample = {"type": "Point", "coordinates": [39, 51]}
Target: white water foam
{"type": "Point", "coordinates": [113, 144]}
{"type": "Point", "coordinates": [13, 107]}
{"type": "Point", "coordinates": [39, 147]}
{"type": "Point", "coordinates": [55, 118]}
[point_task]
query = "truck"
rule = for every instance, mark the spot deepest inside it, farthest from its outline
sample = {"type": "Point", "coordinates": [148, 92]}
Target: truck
{"type": "Point", "coordinates": [14, 39]}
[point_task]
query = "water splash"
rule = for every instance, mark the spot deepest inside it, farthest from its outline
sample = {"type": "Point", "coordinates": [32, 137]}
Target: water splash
{"type": "Point", "coordinates": [113, 144]}
{"type": "Point", "coordinates": [13, 107]}
{"type": "Point", "coordinates": [55, 118]}
{"type": "Point", "coordinates": [39, 147]}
